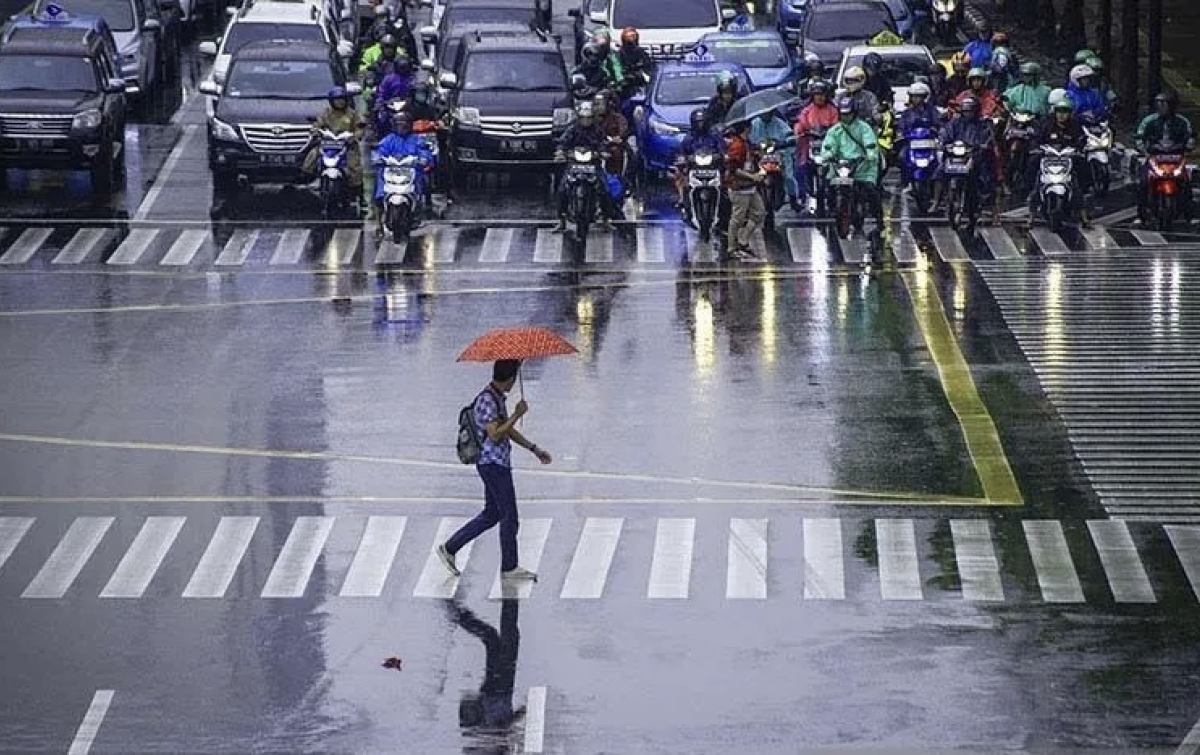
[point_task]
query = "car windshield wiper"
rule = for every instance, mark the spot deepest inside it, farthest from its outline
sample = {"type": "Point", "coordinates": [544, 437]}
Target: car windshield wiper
{"type": "Point", "coordinates": [499, 88]}
{"type": "Point", "coordinates": [544, 88]}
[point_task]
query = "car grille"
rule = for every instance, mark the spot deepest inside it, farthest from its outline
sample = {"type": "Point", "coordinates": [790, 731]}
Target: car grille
{"type": "Point", "coordinates": [277, 138]}
{"type": "Point", "coordinates": [523, 127]}
{"type": "Point", "coordinates": [35, 126]}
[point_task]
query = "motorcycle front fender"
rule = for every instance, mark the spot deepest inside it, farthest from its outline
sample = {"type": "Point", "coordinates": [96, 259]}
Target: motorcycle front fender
{"type": "Point", "coordinates": [1100, 156]}
{"type": "Point", "coordinates": [332, 174]}
{"type": "Point", "coordinates": [396, 200]}
{"type": "Point", "coordinates": [1057, 189]}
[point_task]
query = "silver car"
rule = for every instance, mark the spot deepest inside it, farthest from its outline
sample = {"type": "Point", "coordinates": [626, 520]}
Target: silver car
{"type": "Point", "coordinates": [138, 37]}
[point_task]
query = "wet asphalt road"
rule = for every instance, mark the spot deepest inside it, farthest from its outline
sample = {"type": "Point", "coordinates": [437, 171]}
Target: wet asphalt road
{"type": "Point", "coordinates": [777, 519]}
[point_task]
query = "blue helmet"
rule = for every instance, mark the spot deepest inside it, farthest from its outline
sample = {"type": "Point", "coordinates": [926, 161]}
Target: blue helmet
{"type": "Point", "coordinates": [337, 93]}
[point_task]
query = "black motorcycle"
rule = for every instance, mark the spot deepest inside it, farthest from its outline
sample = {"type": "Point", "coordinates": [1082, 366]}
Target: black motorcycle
{"type": "Point", "coordinates": [960, 166]}
{"type": "Point", "coordinates": [585, 181]}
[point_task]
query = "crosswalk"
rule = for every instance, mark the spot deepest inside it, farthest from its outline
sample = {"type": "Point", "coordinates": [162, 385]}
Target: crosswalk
{"type": "Point", "coordinates": [224, 247]}
{"type": "Point", "coordinates": [1114, 342]}
{"type": "Point", "coordinates": [787, 558]}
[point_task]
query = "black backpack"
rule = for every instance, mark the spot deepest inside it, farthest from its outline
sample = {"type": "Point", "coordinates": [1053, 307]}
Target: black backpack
{"type": "Point", "coordinates": [470, 444]}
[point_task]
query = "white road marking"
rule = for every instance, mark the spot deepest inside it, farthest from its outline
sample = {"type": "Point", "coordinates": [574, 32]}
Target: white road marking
{"type": "Point", "coordinates": [1049, 242]}
{"type": "Point", "coordinates": [1098, 239]}
{"type": "Point", "coordinates": [391, 253]}
{"type": "Point", "coordinates": [906, 247]}
{"type": "Point", "coordinates": [69, 557]}
{"type": "Point", "coordinates": [184, 248]}
{"type": "Point", "coordinates": [191, 132]}
{"type": "Point", "coordinates": [144, 557]}
{"type": "Point", "coordinates": [238, 247]}
{"type": "Point", "coordinates": [593, 558]}
{"type": "Point", "coordinates": [344, 245]}
{"type": "Point", "coordinates": [531, 541]}
{"type": "Point", "coordinates": [1052, 561]}
{"type": "Point", "coordinates": [373, 560]}
{"type": "Point", "coordinates": [1000, 243]}
{"type": "Point", "coordinates": [289, 250]}
{"type": "Point", "coordinates": [293, 568]}
{"type": "Point", "coordinates": [800, 243]}
{"type": "Point", "coordinates": [134, 246]}
{"type": "Point", "coordinates": [824, 572]}
{"type": "Point", "coordinates": [535, 719]}
{"type": "Point", "coordinates": [436, 581]}
{"type": "Point", "coordinates": [548, 249]}
{"type": "Point", "coordinates": [1186, 542]}
{"type": "Point", "coordinates": [1149, 238]}
{"type": "Point", "coordinates": [746, 562]}
{"type": "Point", "coordinates": [1122, 565]}
{"type": "Point", "coordinates": [949, 246]}
{"type": "Point", "coordinates": [899, 574]}
{"type": "Point", "coordinates": [85, 243]}
{"type": "Point", "coordinates": [1191, 742]}
{"type": "Point", "coordinates": [12, 530]}
{"type": "Point", "coordinates": [1120, 216]}
{"type": "Point", "coordinates": [85, 735]}
{"type": "Point", "coordinates": [26, 245]}
{"type": "Point", "coordinates": [671, 569]}
{"type": "Point", "coordinates": [978, 570]}
{"type": "Point", "coordinates": [650, 244]}
{"type": "Point", "coordinates": [221, 558]}
{"type": "Point", "coordinates": [497, 244]}
{"type": "Point", "coordinates": [599, 246]}
{"type": "Point", "coordinates": [444, 240]}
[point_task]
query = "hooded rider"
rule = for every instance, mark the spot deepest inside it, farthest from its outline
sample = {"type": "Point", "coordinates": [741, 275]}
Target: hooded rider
{"type": "Point", "coordinates": [976, 132]}
{"type": "Point", "coordinates": [1031, 95]}
{"type": "Point", "coordinates": [377, 61]}
{"type": "Point", "coordinates": [1088, 100]}
{"type": "Point", "coordinates": [1060, 130]}
{"type": "Point", "coordinates": [1164, 132]}
{"type": "Point", "coordinates": [853, 139]}
{"type": "Point", "coordinates": [960, 65]}
{"type": "Point", "coordinates": [770, 128]}
{"type": "Point", "coordinates": [339, 118]}
{"type": "Point", "coordinates": [402, 142]}
{"type": "Point", "coordinates": [592, 68]}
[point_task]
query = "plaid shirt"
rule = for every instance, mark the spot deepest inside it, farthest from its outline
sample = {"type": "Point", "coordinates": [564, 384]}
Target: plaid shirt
{"type": "Point", "coordinates": [489, 407]}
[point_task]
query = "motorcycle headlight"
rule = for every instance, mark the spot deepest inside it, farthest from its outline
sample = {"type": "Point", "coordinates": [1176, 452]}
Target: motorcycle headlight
{"type": "Point", "coordinates": [583, 155]}
{"type": "Point", "coordinates": [467, 116]}
{"type": "Point", "coordinates": [222, 131]}
{"type": "Point", "coordinates": [1106, 141]}
{"type": "Point", "coordinates": [704, 161]}
{"type": "Point", "coordinates": [87, 120]}
{"type": "Point", "coordinates": [663, 129]}
{"type": "Point", "coordinates": [943, 6]}
{"type": "Point", "coordinates": [843, 172]}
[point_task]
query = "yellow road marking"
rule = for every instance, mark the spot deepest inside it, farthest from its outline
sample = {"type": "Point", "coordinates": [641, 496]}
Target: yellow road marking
{"type": "Point", "coordinates": [979, 431]}
{"type": "Point", "coordinates": [787, 489]}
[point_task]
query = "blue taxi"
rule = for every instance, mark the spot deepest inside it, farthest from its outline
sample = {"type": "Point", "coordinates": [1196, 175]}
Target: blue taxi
{"type": "Point", "coordinates": [677, 89]}
{"type": "Point", "coordinates": [767, 59]}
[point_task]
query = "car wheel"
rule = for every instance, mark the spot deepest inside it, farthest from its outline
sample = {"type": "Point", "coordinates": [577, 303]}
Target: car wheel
{"type": "Point", "coordinates": [102, 172]}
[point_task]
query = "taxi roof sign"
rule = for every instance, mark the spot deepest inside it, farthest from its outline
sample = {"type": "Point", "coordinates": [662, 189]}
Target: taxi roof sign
{"type": "Point", "coordinates": [742, 22]}
{"type": "Point", "coordinates": [700, 54]}
{"type": "Point", "coordinates": [54, 13]}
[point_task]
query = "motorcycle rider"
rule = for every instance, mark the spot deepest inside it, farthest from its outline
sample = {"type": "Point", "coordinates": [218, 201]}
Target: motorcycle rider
{"type": "Point", "coordinates": [819, 115]}
{"type": "Point", "coordinates": [939, 86]}
{"type": "Point", "coordinates": [592, 67]}
{"type": "Point", "coordinates": [1088, 101]}
{"type": "Point", "coordinates": [814, 71]}
{"type": "Point", "coordinates": [377, 62]}
{"type": "Point", "coordinates": [979, 50]}
{"type": "Point", "coordinates": [769, 127]}
{"type": "Point", "coordinates": [957, 83]}
{"type": "Point", "coordinates": [867, 104]}
{"type": "Point", "coordinates": [402, 142]}
{"type": "Point", "coordinates": [398, 28]}
{"type": "Point", "coordinates": [989, 102]}
{"type": "Point", "coordinates": [700, 136]}
{"type": "Point", "coordinates": [602, 38]}
{"type": "Point", "coordinates": [397, 82]}
{"type": "Point", "coordinates": [1062, 129]}
{"type": "Point", "coordinates": [1002, 68]}
{"type": "Point", "coordinates": [1101, 81]}
{"type": "Point", "coordinates": [635, 62]}
{"type": "Point", "coordinates": [616, 131]}
{"type": "Point", "coordinates": [976, 132]}
{"type": "Point", "coordinates": [1165, 127]}
{"type": "Point", "coordinates": [1031, 95]}
{"type": "Point", "coordinates": [340, 117]}
{"type": "Point", "coordinates": [877, 84]}
{"type": "Point", "coordinates": [584, 132]}
{"type": "Point", "coordinates": [742, 179]}
{"type": "Point", "coordinates": [853, 139]}
{"type": "Point", "coordinates": [921, 113]}
{"type": "Point", "coordinates": [719, 104]}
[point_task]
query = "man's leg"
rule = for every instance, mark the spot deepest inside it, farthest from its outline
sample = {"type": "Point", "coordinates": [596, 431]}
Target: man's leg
{"type": "Point", "coordinates": [739, 215]}
{"type": "Point", "coordinates": [756, 215]}
{"type": "Point", "coordinates": [561, 199]}
{"type": "Point", "coordinates": [500, 486]}
{"type": "Point", "coordinates": [484, 521]}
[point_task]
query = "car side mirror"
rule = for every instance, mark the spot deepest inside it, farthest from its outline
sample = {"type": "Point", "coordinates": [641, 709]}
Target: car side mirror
{"type": "Point", "coordinates": [573, 13]}
{"type": "Point", "coordinates": [345, 48]}
{"type": "Point", "coordinates": [209, 87]}
{"type": "Point", "coordinates": [448, 80]}
{"type": "Point", "coordinates": [207, 48]}
{"type": "Point", "coordinates": [114, 86]}
{"type": "Point", "coordinates": [353, 88]}
{"type": "Point", "coordinates": [428, 65]}
{"type": "Point", "coordinates": [598, 17]}
{"type": "Point", "coordinates": [728, 14]}
{"type": "Point", "coordinates": [429, 34]}
{"type": "Point", "coordinates": [230, 11]}
{"type": "Point", "coordinates": [151, 24]}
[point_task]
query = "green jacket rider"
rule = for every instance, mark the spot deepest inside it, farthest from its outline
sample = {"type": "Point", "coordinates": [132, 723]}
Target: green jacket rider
{"type": "Point", "coordinates": [852, 138]}
{"type": "Point", "coordinates": [1031, 95]}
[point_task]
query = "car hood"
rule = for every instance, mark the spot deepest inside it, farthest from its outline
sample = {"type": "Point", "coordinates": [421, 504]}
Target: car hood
{"type": "Point", "coordinates": [676, 115]}
{"type": "Point", "coordinates": [238, 110]}
{"type": "Point", "coordinates": [515, 103]}
{"type": "Point", "coordinates": [48, 103]}
{"type": "Point", "coordinates": [830, 52]}
{"type": "Point", "coordinates": [765, 78]}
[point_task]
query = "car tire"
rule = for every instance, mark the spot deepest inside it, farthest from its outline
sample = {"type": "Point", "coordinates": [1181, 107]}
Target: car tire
{"type": "Point", "coordinates": [103, 170]}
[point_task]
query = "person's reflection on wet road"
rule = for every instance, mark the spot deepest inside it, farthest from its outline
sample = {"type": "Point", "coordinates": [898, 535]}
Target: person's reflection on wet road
{"type": "Point", "coordinates": [486, 717]}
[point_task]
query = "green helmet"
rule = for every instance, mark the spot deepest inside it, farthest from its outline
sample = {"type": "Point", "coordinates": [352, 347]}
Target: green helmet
{"type": "Point", "coordinates": [1031, 68]}
{"type": "Point", "coordinates": [976, 73]}
{"type": "Point", "coordinates": [1063, 104]}
{"type": "Point", "coordinates": [1095, 63]}
{"type": "Point", "coordinates": [1083, 55]}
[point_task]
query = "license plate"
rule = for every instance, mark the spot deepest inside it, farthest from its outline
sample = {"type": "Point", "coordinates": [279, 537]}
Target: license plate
{"type": "Point", "coordinates": [922, 144]}
{"type": "Point", "coordinates": [841, 180]}
{"type": "Point", "coordinates": [957, 168]}
{"type": "Point", "coordinates": [1101, 157]}
{"type": "Point", "coordinates": [280, 159]}
{"type": "Point", "coordinates": [38, 145]}
{"type": "Point", "coordinates": [518, 145]}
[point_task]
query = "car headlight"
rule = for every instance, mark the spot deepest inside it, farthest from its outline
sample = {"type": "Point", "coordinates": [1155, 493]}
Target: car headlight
{"type": "Point", "coordinates": [129, 59]}
{"type": "Point", "coordinates": [87, 120]}
{"type": "Point", "coordinates": [223, 131]}
{"type": "Point", "coordinates": [467, 116]}
{"type": "Point", "coordinates": [563, 116]}
{"type": "Point", "coordinates": [663, 129]}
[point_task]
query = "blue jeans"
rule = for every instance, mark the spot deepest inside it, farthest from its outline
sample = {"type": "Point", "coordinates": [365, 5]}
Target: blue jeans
{"type": "Point", "coordinates": [500, 506]}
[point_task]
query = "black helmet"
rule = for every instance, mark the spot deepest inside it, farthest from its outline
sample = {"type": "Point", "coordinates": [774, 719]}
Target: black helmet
{"type": "Point", "coordinates": [969, 105]}
{"type": "Point", "coordinates": [389, 40]}
{"type": "Point", "coordinates": [820, 87]}
{"type": "Point", "coordinates": [872, 62]}
{"type": "Point", "coordinates": [402, 65]}
{"type": "Point", "coordinates": [592, 53]}
{"type": "Point", "coordinates": [698, 120]}
{"type": "Point", "coordinates": [1170, 99]}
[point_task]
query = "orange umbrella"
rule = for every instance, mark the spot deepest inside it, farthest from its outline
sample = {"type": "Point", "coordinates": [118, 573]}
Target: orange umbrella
{"type": "Point", "coordinates": [516, 343]}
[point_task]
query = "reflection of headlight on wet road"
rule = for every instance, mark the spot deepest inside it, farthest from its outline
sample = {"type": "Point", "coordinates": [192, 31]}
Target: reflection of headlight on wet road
{"type": "Point", "coordinates": [768, 319]}
{"type": "Point", "coordinates": [1055, 336]}
{"type": "Point", "coordinates": [705, 346]}
{"type": "Point", "coordinates": [585, 314]}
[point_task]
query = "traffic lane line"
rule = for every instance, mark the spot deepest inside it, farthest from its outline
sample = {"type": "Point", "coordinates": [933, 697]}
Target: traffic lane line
{"type": "Point", "coordinates": [978, 429]}
{"type": "Point", "coordinates": [191, 133]}
{"type": "Point", "coordinates": [1191, 743]}
{"type": "Point", "coordinates": [90, 726]}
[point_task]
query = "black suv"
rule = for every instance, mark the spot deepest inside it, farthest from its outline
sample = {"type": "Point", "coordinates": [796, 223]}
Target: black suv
{"type": "Point", "coordinates": [510, 101]}
{"type": "Point", "coordinates": [261, 126]}
{"type": "Point", "coordinates": [62, 98]}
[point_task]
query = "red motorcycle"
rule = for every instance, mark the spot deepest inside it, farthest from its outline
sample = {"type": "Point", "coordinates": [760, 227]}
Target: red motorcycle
{"type": "Point", "coordinates": [1166, 180]}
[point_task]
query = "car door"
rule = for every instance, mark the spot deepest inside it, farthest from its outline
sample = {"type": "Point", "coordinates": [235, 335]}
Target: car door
{"type": "Point", "coordinates": [148, 42]}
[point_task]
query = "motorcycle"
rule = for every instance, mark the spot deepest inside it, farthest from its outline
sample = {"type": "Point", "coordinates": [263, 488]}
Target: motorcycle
{"type": "Point", "coordinates": [920, 165]}
{"type": "Point", "coordinates": [1056, 185]}
{"type": "Point", "coordinates": [946, 20]}
{"type": "Point", "coordinates": [1166, 179]}
{"type": "Point", "coordinates": [399, 178]}
{"type": "Point", "coordinates": [1097, 152]}
{"type": "Point", "coordinates": [774, 193]}
{"type": "Point", "coordinates": [817, 185]}
{"type": "Point", "coordinates": [847, 212]}
{"type": "Point", "coordinates": [334, 192]}
{"type": "Point", "coordinates": [704, 191]}
{"type": "Point", "coordinates": [584, 183]}
{"type": "Point", "coordinates": [959, 166]}
{"type": "Point", "coordinates": [1017, 136]}
{"type": "Point", "coordinates": [427, 132]}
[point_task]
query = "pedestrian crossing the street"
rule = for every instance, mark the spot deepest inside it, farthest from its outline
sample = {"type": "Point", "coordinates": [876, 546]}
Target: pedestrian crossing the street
{"type": "Point", "coordinates": [651, 244]}
{"type": "Point", "coordinates": [1113, 341]}
{"type": "Point", "coordinates": [788, 558]}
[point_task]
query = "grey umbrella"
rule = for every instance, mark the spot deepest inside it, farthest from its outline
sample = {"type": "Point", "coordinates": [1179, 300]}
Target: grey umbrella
{"type": "Point", "coordinates": [753, 105]}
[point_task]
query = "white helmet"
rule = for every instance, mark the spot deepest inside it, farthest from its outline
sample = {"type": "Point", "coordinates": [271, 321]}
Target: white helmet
{"type": "Point", "coordinates": [1055, 96]}
{"type": "Point", "coordinates": [1081, 71]}
{"type": "Point", "coordinates": [919, 88]}
{"type": "Point", "coordinates": [854, 78]}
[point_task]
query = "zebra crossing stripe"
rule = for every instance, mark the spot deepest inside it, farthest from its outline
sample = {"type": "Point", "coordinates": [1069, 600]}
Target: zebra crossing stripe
{"type": "Point", "coordinates": [548, 248]}
{"type": "Point", "coordinates": [144, 557]}
{"type": "Point", "coordinates": [1049, 242]}
{"type": "Point", "coordinates": [69, 557]}
{"type": "Point", "coordinates": [26, 245]}
{"type": "Point", "coordinates": [650, 244]}
{"type": "Point", "coordinates": [1186, 542]}
{"type": "Point", "coordinates": [497, 244]}
{"type": "Point", "coordinates": [221, 558]}
{"type": "Point", "coordinates": [949, 246]}
{"type": "Point", "coordinates": [978, 569]}
{"type": "Point", "coordinates": [1098, 239]}
{"type": "Point", "coordinates": [85, 243]}
{"type": "Point", "coordinates": [593, 558]}
{"type": "Point", "coordinates": [12, 530]}
{"type": "Point", "coordinates": [436, 581]}
{"type": "Point", "coordinates": [824, 571]}
{"type": "Point", "coordinates": [1149, 238]}
{"type": "Point", "coordinates": [1052, 561]}
{"type": "Point", "coordinates": [373, 559]}
{"type": "Point", "coordinates": [746, 565]}
{"type": "Point", "coordinates": [1000, 243]}
{"type": "Point", "coordinates": [134, 246]}
{"type": "Point", "coordinates": [391, 253]}
{"type": "Point", "coordinates": [238, 247]}
{"type": "Point", "coordinates": [899, 574]}
{"type": "Point", "coordinates": [289, 249]}
{"type": "Point", "coordinates": [293, 567]}
{"type": "Point", "coordinates": [599, 247]}
{"type": "Point", "coordinates": [671, 567]}
{"type": "Point", "coordinates": [440, 244]}
{"type": "Point", "coordinates": [184, 248]}
{"type": "Point", "coordinates": [531, 541]}
{"type": "Point", "coordinates": [343, 246]}
{"type": "Point", "coordinates": [906, 247]}
{"type": "Point", "coordinates": [1119, 557]}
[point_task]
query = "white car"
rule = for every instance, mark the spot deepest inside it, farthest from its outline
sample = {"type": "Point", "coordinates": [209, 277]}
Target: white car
{"type": "Point", "coordinates": [668, 29]}
{"type": "Point", "coordinates": [901, 65]}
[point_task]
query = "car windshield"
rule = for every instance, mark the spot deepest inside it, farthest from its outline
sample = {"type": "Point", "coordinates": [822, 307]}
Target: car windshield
{"type": "Point", "coordinates": [517, 72]}
{"type": "Point", "coordinates": [457, 15]}
{"type": "Point", "coordinates": [751, 53]}
{"type": "Point", "coordinates": [846, 24]}
{"type": "Point", "coordinates": [899, 70]}
{"type": "Point", "coordinates": [692, 89]}
{"type": "Point", "coordinates": [242, 34]}
{"type": "Point", "coordinates": [448, 52]}
{"type": "Point", "coordinates": [665, 14]}
{"type": "Point", "coordinates": [118, 13]}
{"type": "Point", "coordinates": [40, 73]}
{"type": "Point", "coordinates": [279, 79]}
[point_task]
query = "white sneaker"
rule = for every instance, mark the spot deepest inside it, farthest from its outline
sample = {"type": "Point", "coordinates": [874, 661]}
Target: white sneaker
{"type": "Point", "coordinates": [519, 573]}
{"type": "Point", "coordinates": [448, 559]}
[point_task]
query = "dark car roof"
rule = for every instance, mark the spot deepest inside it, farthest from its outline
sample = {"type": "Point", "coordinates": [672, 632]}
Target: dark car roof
{"type": "Point", "coordinates": [849, 6]}
{"type": "Point", "coordinates": [284, 49]}
{"type": "Point", "coordinates": [530, 43]}
{"type": "Point", "coordinates": [491, 3]}
{"type": "Point", "coordinates": [28, 35]}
